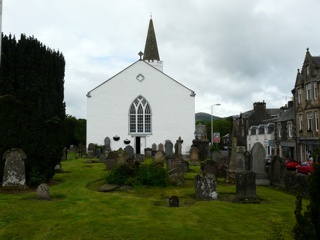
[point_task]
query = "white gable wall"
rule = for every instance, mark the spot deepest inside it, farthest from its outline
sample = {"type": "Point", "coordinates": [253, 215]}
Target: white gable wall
{"type": "Point", "coordinates": [172, 107]}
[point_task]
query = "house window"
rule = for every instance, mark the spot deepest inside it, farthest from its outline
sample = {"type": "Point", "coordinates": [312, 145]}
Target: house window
{"type": "Point", "coordinates": [308, 91]}
{"type": "Point", "coordinates": [289, 126]}
{"type": "Point", "coordinates": [316, 121]}
{"type": "Point", "coordinates": [140, 116]}
{"type": "Point", "coordinates": [315, 92]}
{"type": "Point", "coordinates": [279, 130]}
{"type": "Point", "coordinates": [300, 123]}
{"type": "Point", "coordinates": [309, 117]}
{"type": "Point", "coordinates": [299, 95]}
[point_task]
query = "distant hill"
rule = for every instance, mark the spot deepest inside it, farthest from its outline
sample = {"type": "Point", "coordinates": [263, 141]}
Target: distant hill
{"type": "Point", "coordinates": [205, 117]}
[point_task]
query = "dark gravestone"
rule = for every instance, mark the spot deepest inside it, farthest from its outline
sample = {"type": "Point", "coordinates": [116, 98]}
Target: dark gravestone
{"type": "Point", "coordinates": [14, 168]}
{"type": "Point", "coordinates": [203, 146]}
{"type": "Point", "coordinates": [168, 146]}
{"type": "Point", "coordinates": [43, 192]}
{"type": "Point", "coordinates": [247, 157]}
{"type": "Point", "coordinates": [210, 167]}
{"type": "Point", "coordinates": [205, 186]}
{"type": "Point", "coordinates": [91, 148]}
{"type": "Point", "coordinates": [130, 153]}
{"type": "Point", "coordinates": [176, 177]}
{"type": "Point", "coordinates": [277, 171]}
{"type": "Point", "coordinates": [245, 185]}
{"type": "Point", "coordinates": [169, 163]}
{"type": "Point", "coordinates": [159, 159]}
{"type": "Point", "coordinates": [174, 201]}
{"type": "Point", "coordinates": [148, 152]}
{"type": "Point", "coordinates": [111, 160]}
{"type": "Point", "coordinates": [97, 152]}
{"type": "Point", "coordinates": [216, 156]}
{"type": "Point", "coordinates": [154, 149]}
{"type": "Point", "coordinates": [121, 157]}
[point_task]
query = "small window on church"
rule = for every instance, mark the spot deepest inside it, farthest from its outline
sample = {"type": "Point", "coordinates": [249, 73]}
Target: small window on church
{"type": "Point", "coordinates": [140, 116]}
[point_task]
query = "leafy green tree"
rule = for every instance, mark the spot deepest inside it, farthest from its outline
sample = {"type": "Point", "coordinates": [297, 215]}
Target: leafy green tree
{"type": "Point", "coordinates": [32, 108]}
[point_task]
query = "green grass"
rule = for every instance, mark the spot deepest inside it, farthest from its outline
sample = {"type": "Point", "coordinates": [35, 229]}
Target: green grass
{"type": "Point", "coordinates": [78, 211]}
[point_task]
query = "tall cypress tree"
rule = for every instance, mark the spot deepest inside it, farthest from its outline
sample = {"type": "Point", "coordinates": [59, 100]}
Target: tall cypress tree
{"type": "Point", "coordinates": [32, 81]}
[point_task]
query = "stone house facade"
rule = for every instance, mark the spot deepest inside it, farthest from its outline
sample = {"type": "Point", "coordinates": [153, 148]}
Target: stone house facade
{"type": "Point", "coordinates": [306, 106]}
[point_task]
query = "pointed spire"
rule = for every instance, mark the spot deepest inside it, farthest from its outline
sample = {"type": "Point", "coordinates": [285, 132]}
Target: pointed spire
{"type": "Point", "coordinates": [151, 47]}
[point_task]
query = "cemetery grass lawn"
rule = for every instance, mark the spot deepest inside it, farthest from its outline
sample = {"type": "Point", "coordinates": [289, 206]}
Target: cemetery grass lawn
{"type": "Point", "coordinates": [78, 211]}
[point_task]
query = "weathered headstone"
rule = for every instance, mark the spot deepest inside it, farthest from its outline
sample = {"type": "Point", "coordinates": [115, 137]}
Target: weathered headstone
{"type": "Point", "coordinates": [14, 168]}
{"type": "Point", "coordinates": [97, 152]}
{"type": "Point", "coordinates": [194, 155]}
{"type": "Point", "coordinates": [278, 171]}
{"type": "Point", "coordinates": [231, 172]}
{"type": "Point", "coordinates": [216, 156]}
{"type": "Point", "coordinates": [203, 146]}
{"type": "Point", "coordinates": [174, 201]}
{"type": "Point", "coordinates": [111, 160]}
{"type": "Point", "coordinates": [169, 163]}
{"type": "Point", "coordinates": [129, 152]}
{"type": "Point", "coordinates": [205, 186]}
{"type": "Point", "coordinates": [160, 147]}
{"type": "Point", "coordinates": [148, 152]}
{"type": "Point", "coordinates": [91, 148]}
{"type": "Point", "coordinates": [159, 159]}
{"type": "Point", "coordinates": [176, 177]}
{"type": "Point", "coordinates": [154, 149]}
{"type": "Point", "coordinates": [168, 148]}
{"type": "Point", "coordinates": [241, 161]}
{"type": "Point", "coordinates": [43, 192]}
{"type": "Point", "coordinates": [103, 158]}
{"type": "Point", "coordinates": [121, 157]}
{"type": "Point", "coordinates": [258, 154]}
{"type": "Point", "coordinates": [210, 167]}
{"type": "Point", "coordinates": [107, 144]}
{"type": "Point", "coordinates": [245, 185]}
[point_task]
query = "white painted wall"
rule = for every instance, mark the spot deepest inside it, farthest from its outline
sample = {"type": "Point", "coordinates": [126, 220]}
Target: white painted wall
{"type": "Point", "coordinates": [173, 109]}
{"type": "Point", "coordinates": [262, 138]}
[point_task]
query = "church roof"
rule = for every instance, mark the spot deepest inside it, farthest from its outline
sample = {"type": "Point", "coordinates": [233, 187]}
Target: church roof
{"type": "Point", "coordinates": [151, 48]}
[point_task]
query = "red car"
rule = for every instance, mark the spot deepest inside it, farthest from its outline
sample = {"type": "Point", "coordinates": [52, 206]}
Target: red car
{"type": "Point", "coordinates": [291, 164]}
{"type": "Point", "coordinates": [305, 167]}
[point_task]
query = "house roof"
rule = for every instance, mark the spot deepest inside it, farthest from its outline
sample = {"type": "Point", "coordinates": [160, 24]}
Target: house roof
{"type": "Point", "coordinates": [151, 48]}
{"type": "Point", "coordinates": [285, 116]}
{"type": "Point", "coordinates": [191, 94]}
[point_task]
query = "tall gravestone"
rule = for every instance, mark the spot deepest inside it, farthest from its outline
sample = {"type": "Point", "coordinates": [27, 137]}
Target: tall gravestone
{"type": "Point", "coordinates": [168, 146]}
{"type": "Point", "coordinates": [247, 157]}
{"type": "Point", "coordinates": [231, 172]}
{"type": "Point", "coordinates": [160, 147]}
{"type": "Point", "coordinates": [107, 144]}
{"type": "Point", "coordinates": [91, 149]}
{"type": "Point", "coordinates": [129, 153]}
{"type": "Point", "coordinates": [258, 154]}
{"type": "Point", "coordinates": [194, 155]}
{"type": "Point", "coordinates": [277, 171]}
{"type": "Point", "coordinates": [14, 168]}
{"type": "Point", "coordinates": [154, 149]}
{"type": "Point", "coordinates": [241, 161]}
{"type": "Point", "coordinates": [217, 156]}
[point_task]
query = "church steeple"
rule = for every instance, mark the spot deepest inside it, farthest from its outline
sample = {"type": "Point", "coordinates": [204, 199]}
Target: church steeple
{"type": "Point", "coordinates": [151, 48]}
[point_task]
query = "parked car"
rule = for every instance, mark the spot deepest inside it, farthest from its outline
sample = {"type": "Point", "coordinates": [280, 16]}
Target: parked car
{"type": "Point", "coordinates": [268, 160]}
{"type": "Point", "coordinates": [291, 164]}
{"type": "Point", "coordinates": [304, 167]}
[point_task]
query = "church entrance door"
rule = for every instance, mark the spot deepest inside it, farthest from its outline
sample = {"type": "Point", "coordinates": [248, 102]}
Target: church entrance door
{"type": "Point", "coordinates": [138, 145]}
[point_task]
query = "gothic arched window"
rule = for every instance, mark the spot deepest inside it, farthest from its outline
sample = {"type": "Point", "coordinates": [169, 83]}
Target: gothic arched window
{"type": "Point", "coordinates": [140, 116]}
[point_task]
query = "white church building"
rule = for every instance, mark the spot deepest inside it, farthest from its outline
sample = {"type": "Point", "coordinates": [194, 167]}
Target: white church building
{"type": "Point", "coordinates": [141, 106]}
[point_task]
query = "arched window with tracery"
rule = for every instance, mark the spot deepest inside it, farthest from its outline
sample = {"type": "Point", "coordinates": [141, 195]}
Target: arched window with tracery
{"type": "Point", "coordinates": [140, 116]}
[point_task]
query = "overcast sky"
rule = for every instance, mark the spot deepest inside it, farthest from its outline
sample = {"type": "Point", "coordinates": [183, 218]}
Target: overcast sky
{"type": "Point", "coordinates": [232, 52]}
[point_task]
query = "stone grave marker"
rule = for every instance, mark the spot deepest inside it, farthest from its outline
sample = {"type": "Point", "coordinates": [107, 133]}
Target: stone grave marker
{"type": "Point", "coordinates": [258, 154]}
{"type": "Point", "coordinates": [168, 146]}
{"type": "Point", "coordinates": [107, 144]}
{"type": "Point", "coordinates": [159, 159]}
{"type": "Point", "coordinates": [160, 147]}
{"type": "Point", "coordinates": [174, 201]}
{"type": "Point", "coordinates": [154, 149]}
{"type": "Point", "coordinates": [217, 156]}
{"type": "Point", "coordinates": [241, 161]}
{"type": "Point", "coordinates": [245, 185]}
{"type": "Point", "coordinates": [176, 177]}
{"type": "Point", "coordinates": [148, 152]}
{"type": "Point", "coordinates": [205, 186]}
{"type": "Point", "coordinates": [43, 192]}
{"type": "Point", "coordinates": [247, 157]}
{"type": "Point", "coordinates": [278, 171]}
{"type": "Point", "coordinates": [129, 152]}
{"type": "Point", "coordinates": [91, 148]}
{"type": "Point", "coordinates": [14, 168]}
{"type": "Point", "coordinates": [194, 155]}
{"type": "Point", "coordinates": [210, 167]}
{"type": "Point", "coordinates": [121, 157]}
{"type": "Point", "coordinates": [111, 160]}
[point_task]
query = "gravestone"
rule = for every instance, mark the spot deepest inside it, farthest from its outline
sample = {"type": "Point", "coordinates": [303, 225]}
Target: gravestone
{"type": "Point", "coordinates": [210, 167]}
{"type": "Point", "coordinates": [111, 160]}
{"type": "Point", "coordinates": [160, 147]}
{"type": "Point", "coordinates": [203, 146]}
{"type": "Point", "coordinates": [107, 144]}
{"type": "Point", "coordinates": [154, 149]}
{"type": "Point", "coordinates": [205, 186]}
{"type": "Point", "coordinates": [231, 172]}
{"type": "Point", "coordinates": [245, 186]}
{"type": "Point", "coordinates": [168, 146]}
{"type": "Point", "coordinates": [241, 161]}
{"type": "Point", "coordinates": [91, 148]}
{"type": "Point", "coordinates": [159, 159]}
{"type": "Point", "coordinates": [258, 164]}
{"type": "Point", "coordinates": [169, 163]}
{"type": "Point", "coordinates": [277, 171]}
{"type": "Point", "coordinates": [97, 152]}
{"type": "Point", "coordinates": [103, 158]}
{"type": "Point", "coordinates": [121, 157]}
{"type": "Point", "coordinates": [247, 157]}
{"type": "Point", "coordinates": [43, 192]}
{"type": "Point", "coordinates": [217, 156]}
{"type": "Point", "coordinates": [148, 152]}
{"type": "Point", "coordinates": [14, 168]}
{"type": "Point", "coordinates": [174, 201]}
{"type": "Point", "coordinates": [194, 155]}
{"type": "Point", "coordinates": [129, 153]}
{"type": "Point", "coordinates": [176, 177]}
